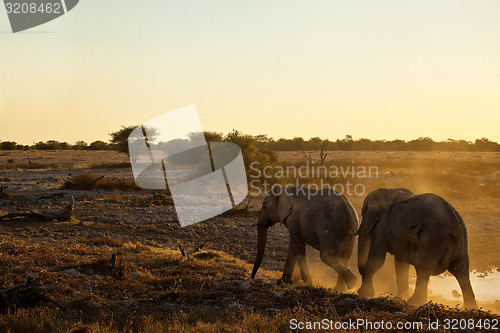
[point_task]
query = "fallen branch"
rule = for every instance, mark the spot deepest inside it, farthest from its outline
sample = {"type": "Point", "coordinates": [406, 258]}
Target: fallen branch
{"type": "Point", "coordinates": [24, 295]}
{"type": "Point", "coordinates": [62, 216]}
{"type": "Point", "coordinates": [3, 195]}
{"type": "Point", "coordinates": [185, 254]}
{"type": "Point", "coordinates": [51, 196]}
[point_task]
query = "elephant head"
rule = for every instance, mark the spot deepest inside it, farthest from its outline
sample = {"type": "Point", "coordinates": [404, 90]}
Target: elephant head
{"type": "Point", "coordinates": [276, 208]}
{"type": "Point", "coordinates": [375, 206]}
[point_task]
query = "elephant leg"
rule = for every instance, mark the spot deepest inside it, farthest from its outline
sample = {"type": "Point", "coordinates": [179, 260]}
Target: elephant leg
{"type": "Point", "coordinates": [334, 261]}
{"type": "Point", "coordinates": [304, 266]}
{"type": "Point", "coordinates": [460, 270]}
{"type": "Point", "coordinates": [469, 297]}
{"type": "Point", "coordinates": [402, 273]}
{"type": "Point", "coordinates": [341, 284]}
{"type": "Point", "coordinates": [420, 295]}
{"type": "Point", "coordinates": [291, 260]}
{"type": "Point", "coordinates": [304, 269]}
{"type": "Point", "coordinates": [374, 262]}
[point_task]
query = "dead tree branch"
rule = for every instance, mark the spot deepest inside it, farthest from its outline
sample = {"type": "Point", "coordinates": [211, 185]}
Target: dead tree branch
{"type": "Point", "coordinates": [119, 270]}
{"type": "Point", "coordinates": [3, 195]}
{"type": "Point", "coordinates": [307, 156]}
{"type": "Point", "coordinates": [62, 216]}
{"type": "Point", "coordinates": [24, 295]}
{"type": "Point", "coordinates": [322, 154]}
{"type": "Point", "coordinates": [185, 254]}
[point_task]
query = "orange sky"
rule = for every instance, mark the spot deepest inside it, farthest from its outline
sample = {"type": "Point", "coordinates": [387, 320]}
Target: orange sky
{"type": "Point", "coordinates": [375, 69]}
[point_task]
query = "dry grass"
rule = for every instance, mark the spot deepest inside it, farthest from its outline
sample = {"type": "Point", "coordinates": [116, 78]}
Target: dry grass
{"type": "Point", "coordinates": [202, 294]}
{"type": "Point", "coordinates": [88, 181]}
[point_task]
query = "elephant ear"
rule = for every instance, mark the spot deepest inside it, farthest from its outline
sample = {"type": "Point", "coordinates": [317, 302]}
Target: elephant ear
{"type": "Point", "coordinates": [285, 202]}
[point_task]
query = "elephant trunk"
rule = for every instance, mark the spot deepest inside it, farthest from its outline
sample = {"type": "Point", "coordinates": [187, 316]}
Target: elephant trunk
{"type": "Point", "coordinates": [261, 243]}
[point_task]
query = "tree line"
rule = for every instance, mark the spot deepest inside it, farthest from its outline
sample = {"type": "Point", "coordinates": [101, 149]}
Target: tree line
{"type": "Point", "coordinates": [265, 144]}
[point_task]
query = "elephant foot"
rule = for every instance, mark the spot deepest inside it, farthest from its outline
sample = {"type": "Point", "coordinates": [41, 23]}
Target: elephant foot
{"type": "Point", "coordinates": [403, 294]}
{"type": "Point", "coordinates": [415, 300]}
{"type": "Point", "coordinates": [285, 279]}
{"type": "Point", "coordinates": [350, 279]}
{"type": "Point", "coordinates": [366, 291]}
{"type": "Point", "coordinates": [308, 283]}
{"type": "Point", "coordinates": [340, 289]}
{"type": "Point", "coordinates": [471, 304]}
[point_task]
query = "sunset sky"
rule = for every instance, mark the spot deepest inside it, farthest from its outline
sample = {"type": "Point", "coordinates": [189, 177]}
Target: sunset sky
{"type": "Point", "coordinates": [374, 69]}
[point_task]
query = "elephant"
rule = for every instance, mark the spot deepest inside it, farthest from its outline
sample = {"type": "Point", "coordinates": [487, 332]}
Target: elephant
{"type": "Point", "coordinates": [422, 230]}
{"type": "Point", "coordinates": [323, 219]}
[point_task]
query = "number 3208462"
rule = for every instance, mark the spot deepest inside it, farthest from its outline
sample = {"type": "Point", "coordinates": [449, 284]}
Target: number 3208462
{"type": "Point", "coordinates": [33, 8]}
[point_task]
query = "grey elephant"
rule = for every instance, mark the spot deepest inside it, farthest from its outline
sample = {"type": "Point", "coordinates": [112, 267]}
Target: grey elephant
{"type": "Point", "coordinates": [322, 219]}
{"type": "Point", "coordinates": [422, 230]}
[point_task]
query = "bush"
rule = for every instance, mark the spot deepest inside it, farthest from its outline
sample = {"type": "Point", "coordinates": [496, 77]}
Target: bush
{"type": "Point", "coordinates": [88, 181]}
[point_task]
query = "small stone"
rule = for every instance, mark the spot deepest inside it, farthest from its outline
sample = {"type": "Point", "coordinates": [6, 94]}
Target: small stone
{"type": "Point", "coordinates": [135, 275]}
{"type": "Point", "coordinates": [346, 301]}
{"type": "Point", "coordinates": [30, 275]}
{"type": "Point", "coordinates": [72, 272]}
{"type": "Point", "coordinates": [282, 293]}
{"type": "Point", "coordinates": [97, 277]}
{"type": "Point", "coordinates": [245, 284]}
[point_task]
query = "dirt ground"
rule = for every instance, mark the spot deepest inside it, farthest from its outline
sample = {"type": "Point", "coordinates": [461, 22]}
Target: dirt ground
{"type": "Point", "coordinates": [107, 222]}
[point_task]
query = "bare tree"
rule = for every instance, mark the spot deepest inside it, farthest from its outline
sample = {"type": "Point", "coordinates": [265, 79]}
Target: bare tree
{"type": "Point", "coordinates": [322, 154]}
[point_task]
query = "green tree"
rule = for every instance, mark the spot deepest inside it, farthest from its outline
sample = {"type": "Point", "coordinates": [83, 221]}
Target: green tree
{"type": "Point", "coordinates": [98, 145]}
{"type": "Point", "coordinates": [251, 153]}
{"type": "Point", "coordinates": [120, 138]}
{"type": "Point", "coordinates": [8, 145]}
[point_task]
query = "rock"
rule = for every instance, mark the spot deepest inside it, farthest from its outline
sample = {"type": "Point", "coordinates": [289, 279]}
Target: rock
{"type": "Point", "coordinates": [30, 275]}
{"type": "Point", "coordinates": [281, 293]}
{"type": "Point", "coordinates": [245, 284]}
{"type": "Point", "coordinates": [135, 275]}
{"type": "Point", "coordinates": [346, 301]}
{"type": "Point", "coordinates": [72, 272]}
{"type": "Point", "coordinates": [95, 305]}
{"type": "Point", "coordinates": [97, 277]}
{"type": "Point", "coordinates": [238, 281]}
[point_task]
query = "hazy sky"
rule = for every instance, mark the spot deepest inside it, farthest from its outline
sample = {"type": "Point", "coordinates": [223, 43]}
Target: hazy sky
{"type": "Point", "coordinates": [377, 69]}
